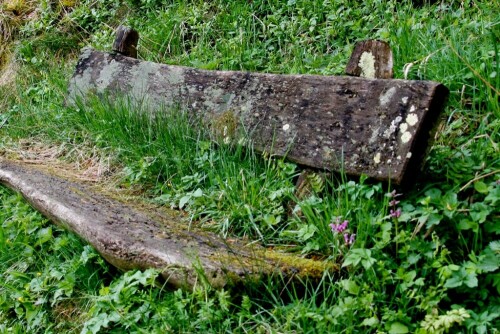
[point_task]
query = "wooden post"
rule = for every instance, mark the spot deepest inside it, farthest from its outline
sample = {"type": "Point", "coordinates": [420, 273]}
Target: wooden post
{"type": "Point", "coordinates": [126, 42]}
{"type": "Point", "coordinates": [371, 59]}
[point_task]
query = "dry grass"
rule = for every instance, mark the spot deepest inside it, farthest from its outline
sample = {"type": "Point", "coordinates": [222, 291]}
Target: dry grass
{"type": "Point", "coordinates": [13, 14]}
{"type": "Point", "coordinates": [77, 162]}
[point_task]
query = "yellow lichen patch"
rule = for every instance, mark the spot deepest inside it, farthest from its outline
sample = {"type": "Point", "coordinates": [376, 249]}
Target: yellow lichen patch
{"type": "Point", "coordinates": [224, 126]}
{"type": "Point", "coordinates": [68, 3]}
{"type": "Point", "coordinates": [17, 7]}
{"type": "Point", "coordinates": [288, 263]}
{"type": "Point", "coordinates": [403, 127]}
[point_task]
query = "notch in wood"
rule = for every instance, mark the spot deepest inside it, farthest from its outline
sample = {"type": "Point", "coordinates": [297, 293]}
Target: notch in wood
{"type": "Point", "coordinates": [126, 42]}
{"type": "Point", "coordinates": [371, 59]}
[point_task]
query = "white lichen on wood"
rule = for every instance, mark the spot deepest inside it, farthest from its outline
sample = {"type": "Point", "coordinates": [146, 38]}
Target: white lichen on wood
{"type": "Point", "coordinates": [405, 137]}
{"type": "Point", "coordinates": [412, 119]}
{"type": "Point", "coordinates": [392, 128]}
{"type": "Point", "coordinates": [367, 65]}
{"type": "Point", "coordinates": [403, 127]}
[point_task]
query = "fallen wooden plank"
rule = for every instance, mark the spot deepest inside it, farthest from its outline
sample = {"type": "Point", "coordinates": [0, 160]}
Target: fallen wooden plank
{"type": "Point", "coordinates": [379, 128]}
{"type": "Point", "coordinates": [130, 238]}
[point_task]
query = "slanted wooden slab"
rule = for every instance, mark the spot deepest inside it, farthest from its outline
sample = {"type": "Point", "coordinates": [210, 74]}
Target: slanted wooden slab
{"type": "Point", "coordinates": [375, 127]}
{"type": "Point", "coordinates": [130, 238]}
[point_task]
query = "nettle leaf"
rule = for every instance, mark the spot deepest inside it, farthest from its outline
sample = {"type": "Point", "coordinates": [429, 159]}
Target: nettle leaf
{"type": "Point", "coordinates": [370, 322]}
{"type": "Point", "coordinates": [413, 258]}
{"type": "Point", "coordinates": [495, 246]}
{"type": "Point", "coordinates": [357, 256]}
{"type": "Point", "coordinates": [44, 235]}
{"type": "Point", "coordinates": [493, 197]}
{"type": "Point", "coordinates": [350, 286]}
{"type": "Point", "coordinates": [496, 281]}
{"type": "Point", "coordinates": [488, 261]}
{"type": "Point", "coordinates": [479, 212]}
{"type": "Point", "coordinates": [492, 227]}
{"type": "Point", "coordinates": [467, 224]}
{"type": "Point", "coordinates": [433, 219]}
{"type": "Point", "coordinates": [197, 193]}
{"type": "Point", "coordinates": [450, 204]}
{"type": "Point", "coordinates": [398, 328]}
{"type": "Point", "coordinates": [183, 201]}
{"type": "Point", "coordinates": [434, 195]}
{"type": "Point", "coordinates": [271, 220]}
{"type": "Point", "coordinates": [481, 187]}
{"type": "Point", "coordinates": [307, 232]}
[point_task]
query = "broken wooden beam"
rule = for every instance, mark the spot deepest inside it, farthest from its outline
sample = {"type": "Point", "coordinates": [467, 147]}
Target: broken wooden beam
{"type": "Point", "coordinates": [131, 238]}
{"type": "Point", "coordinates": [375, 127]}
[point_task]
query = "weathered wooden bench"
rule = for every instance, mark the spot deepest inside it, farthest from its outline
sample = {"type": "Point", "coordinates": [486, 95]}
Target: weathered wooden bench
{"type": "Point", "coordinates": [377, 127]}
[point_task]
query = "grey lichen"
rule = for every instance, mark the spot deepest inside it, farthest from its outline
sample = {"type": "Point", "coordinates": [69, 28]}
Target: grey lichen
{"type": "Point", "coordinates": [386, 97]}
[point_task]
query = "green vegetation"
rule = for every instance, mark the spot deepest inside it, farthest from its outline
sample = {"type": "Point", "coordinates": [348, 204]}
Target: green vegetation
{"type": "Point", "coordinates": [426, 261]}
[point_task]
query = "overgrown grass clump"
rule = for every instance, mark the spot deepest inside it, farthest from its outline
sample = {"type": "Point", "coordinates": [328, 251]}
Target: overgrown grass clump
{"type": "Point", "coordinates": [425, 261]}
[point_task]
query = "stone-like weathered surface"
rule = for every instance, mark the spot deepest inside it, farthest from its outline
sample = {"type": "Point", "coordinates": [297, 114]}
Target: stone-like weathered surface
{"type": "Point", "coordinates": [129, 238]}
{"type": "Point", "coordinates": [375, 127]}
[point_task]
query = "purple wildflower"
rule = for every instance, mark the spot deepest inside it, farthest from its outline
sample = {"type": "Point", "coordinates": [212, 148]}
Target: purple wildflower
{"type": "Point", "coordinates": [349, 239]}
{"type": "Point", "coordinates": [393, 194]}
{"type": "Point", "coordinates": [393, 203]}
{"type": "Point", "coordinates": [395, 213]}
{"type": "Point", "coordinates": [339, 227]}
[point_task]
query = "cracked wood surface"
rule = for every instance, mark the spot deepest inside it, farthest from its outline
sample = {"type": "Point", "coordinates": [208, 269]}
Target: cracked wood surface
{"type": "Point", "coordinates": [375, 127]}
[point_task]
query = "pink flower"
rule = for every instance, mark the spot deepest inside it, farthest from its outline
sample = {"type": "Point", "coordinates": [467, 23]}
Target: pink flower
{"type": "Point", "coordinates": [349, 239]}
{"type": "Point", "coordinates": [339, 228]}
{"type": "Point", "coordinates": [393, 203]}
{"type": "Point", "coordinates": [393, 194]}
{"type": "Point", "coordinates": [395, 213]}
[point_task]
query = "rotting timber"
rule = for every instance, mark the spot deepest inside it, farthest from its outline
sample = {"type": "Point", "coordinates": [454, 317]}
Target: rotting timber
{"type": "Point", "coordinates": [375, 127]}
{"type": "Point", "coordinates": [130, 238]}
